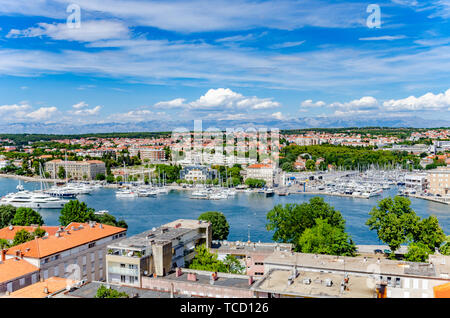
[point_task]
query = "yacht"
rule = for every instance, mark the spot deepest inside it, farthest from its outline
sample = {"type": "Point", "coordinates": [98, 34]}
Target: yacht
{"type": "Point", "coordinates": [126, 194]}
{"type": "Point", "coordinates": [34, 200]}
{"type": "Point", "coordinates": [199, 194]}
{"type": "Point", "coordinates": [102, 212]}
{"type": "Point", "coordinates": [269, 192]}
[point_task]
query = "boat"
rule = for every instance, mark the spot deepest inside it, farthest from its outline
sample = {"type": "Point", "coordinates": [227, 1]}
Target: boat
{"type": "Point", "coordinates": [269, 192]}
{"type": "Point", "coordinates": [33, 200]}
{"type": "Point", "coordinates": [199, 194]}
{"type": "Point", "coordinates": [20, 186]}
{"type": "Point", "coordinates": [102, 212]}
{"type": "Point", "coordinates": [126, 194]}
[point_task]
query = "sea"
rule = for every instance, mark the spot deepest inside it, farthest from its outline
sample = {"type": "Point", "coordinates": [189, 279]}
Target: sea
{"type": "Point", "coordinates": [246, 212]}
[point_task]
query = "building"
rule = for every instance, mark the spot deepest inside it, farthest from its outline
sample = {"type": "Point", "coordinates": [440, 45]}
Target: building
{"type": "Point", "coordinates": [16, 273]}
{"type": "Point", "coordinates": [76, 251]}
{"type": "Point", "coordinates": [155, 252]}
{"type": "Point", "coordinates": [439, 182]}
{"type": "Point", "coordinates": [197, 173]}
{"type": "Point", "coordinates": [45, 288]}
{"type": "Point", "coordinates": [401, 279]}
{"type": "Point", "coordinates": [251, 254]}
{"type": "Point", "coordinates": [8, 233]}
{"type": "Point", "coordinates": [152, 154]}
{"type": "Point", "coordinates": [79, 170]}
{"type": "Point", "coordinates": [416, 181]}
{"type": "Point", "coordinates": [264, 172]}
{"type": "Point", "coordinates": [193, 283]}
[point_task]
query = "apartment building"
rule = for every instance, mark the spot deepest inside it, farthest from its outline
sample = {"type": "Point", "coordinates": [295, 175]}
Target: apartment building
{"type": "Point", "coordinates": [16, 273]}
{"type": "Point", "coordinates": [398, 279]}
{"type": "Point", "coordinates": [8, 233]}
{"type": "Point", "coordinates": [155, 252]}
{"type": "Point", "coordinates": [439, 181]}
{"type": "Point", "coordinates": [76, 251]}
{"type": "Point", "coordinates": [250, 254]}
{"type": "Point", "coordinates": [79, 170]}
{"type": "Point", "coordinates": [264, 172]}
{"type": "Point", "coordinates": [416, 181]}
{"type": "Point", "coordinates": [152, 154]}
{"type": "Point", "coordinates": [197, 173]}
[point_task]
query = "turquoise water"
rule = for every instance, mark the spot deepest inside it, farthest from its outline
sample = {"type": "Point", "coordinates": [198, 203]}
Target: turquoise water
{"type": "Point", "coordinates": [241, 211]}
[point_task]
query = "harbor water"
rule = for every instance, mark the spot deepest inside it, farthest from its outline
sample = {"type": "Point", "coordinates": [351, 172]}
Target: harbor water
{"type": "Point", "coordinates": [246, 212]}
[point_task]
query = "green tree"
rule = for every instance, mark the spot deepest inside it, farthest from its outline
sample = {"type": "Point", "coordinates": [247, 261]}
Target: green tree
{"type": "Point", "coordinates": [206, 261]}
{"type": "Point", "coordinates": [104, 292]}
{"type": "Point", "coordinates": [110, 178]}
{"type": "Point", "coordinates": [39, 232]}
{"type": "Point", "coordinates": [61, 172]}
{"type": "Point", "coordinates": [219, 224]}
{"type": "Point", "coordinates": [255, 183]}
{"type": "Point", "coordinates": [75, 211]}
{"type": "Point", "coordinates": [109, 219]}
{"type": "Point", "coordinates": [7, 213]}
{"type": "Point", "coordinates": [393, 220]}
{"type": "Point", "coordinates": [445, 248]}
{"type": "Point", "coordinates": [310, 165]}
{"type": "Point", "coordinates": [324, 238]}
{"type": "Point", "coordinates": [429, 233]}
{"type": "Point", "coordinates": [233, 265]}
{"type": "Point", "coordinates": [22, 236]}
{"type": "Point", "coordinates": [289, 222]}
{"type": "Point", "coordinates": [4, 244]}
{"type": "Point", "coordinates": [418, 252]}
{"type": "Point", "coordinates": [100, 177]}
{"type": "Point", "coordinates": [26, 217]}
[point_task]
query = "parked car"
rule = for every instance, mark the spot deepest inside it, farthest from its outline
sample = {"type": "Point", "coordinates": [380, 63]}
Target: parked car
{"type": "Point", "coordinates": [378, 251]}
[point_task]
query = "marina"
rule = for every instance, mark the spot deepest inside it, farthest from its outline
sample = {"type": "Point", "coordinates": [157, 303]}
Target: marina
{"type": "Point", "coordinates": [245, 210]}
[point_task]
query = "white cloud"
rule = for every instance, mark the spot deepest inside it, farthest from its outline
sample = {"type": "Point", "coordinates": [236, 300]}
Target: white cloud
{"type": "Point", "coordinates": [43, 113]}
{"type": "Point", "coordinates": [429, 101]}
{"type": "Point", "coordinates": [88, 32]}
{"type": "Point", "coordinates": [278, 115]}
{"type": "Point", "coordinates": [225, 98]}
{"type": "Point", "coordinates": [80, 105]}
{"type": "Point", "coordinates": [87, 111]}
{"type": "Point", "coordinates": [384, 38]}
{"type": "Point", "coordinates": [287, 45]}
{"type": "Point", "coordinates": [310, 104]}
{"type": "Point", "coordinates": [366, 102]}
{"type": "Point", "coordinates": [175, 103]}
{"type": "Point", "coordinates": [138, 115]}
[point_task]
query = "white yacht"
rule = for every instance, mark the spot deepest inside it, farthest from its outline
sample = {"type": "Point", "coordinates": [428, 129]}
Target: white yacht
{"type": "Point", "coordinates": [126, 194]}
{"type": "Point", "coordinates": [199, 194]}
{"type": "Point", "coordinates": [34, 200]}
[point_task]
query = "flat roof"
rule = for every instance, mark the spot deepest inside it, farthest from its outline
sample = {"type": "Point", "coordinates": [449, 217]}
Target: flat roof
{"type": "Point", "coordinates": [248, 247]}
{"type": "Point", "coordinates": [276, 281]}
{"type": "Point", "coordinates": [356, 264]}
{"type": "Point", "coordinates": [89, 290]}
{"type": "Point", "coordinates": [233, 281]}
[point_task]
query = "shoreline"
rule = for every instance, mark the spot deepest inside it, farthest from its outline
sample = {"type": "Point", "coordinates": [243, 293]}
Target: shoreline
{"type": "Point", "coordinates": [26, 178]}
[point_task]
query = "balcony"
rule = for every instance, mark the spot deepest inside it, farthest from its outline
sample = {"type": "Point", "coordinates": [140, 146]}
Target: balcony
{"type": "Point", "coordinates": [123, 271]}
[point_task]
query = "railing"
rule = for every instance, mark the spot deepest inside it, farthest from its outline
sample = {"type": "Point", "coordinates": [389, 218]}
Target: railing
{"type": "Point", "coordinates": [123, 271]}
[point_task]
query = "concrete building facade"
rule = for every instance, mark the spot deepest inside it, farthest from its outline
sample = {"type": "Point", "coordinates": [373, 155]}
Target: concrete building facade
{"type": "Point", "coordinates": [79, 170]}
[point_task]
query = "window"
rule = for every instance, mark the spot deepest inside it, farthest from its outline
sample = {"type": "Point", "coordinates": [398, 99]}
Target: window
{"type": "Point", "coordinates": [259, 263]}
{"type": "Point", "coordinates": [22, 281]}
{"type": "Point", "coordinates": [92, 257]}
{"type": "Point", "coordinates": [56, 271]}
{"type": "Point", "coordinates": [122, 278]}
{"type": "Point", "coordinates": [91, 245]}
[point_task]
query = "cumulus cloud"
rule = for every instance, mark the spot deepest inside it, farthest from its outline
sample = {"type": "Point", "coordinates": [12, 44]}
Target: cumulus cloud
{"type": "Point", "coordinates": [137, 115]}
{"type": "Point", "coordinates": [80, 105]}
{"type": "Point", "coordinates": [175, 103]}
{"type": "Point", "coordinates": [366, 102]}
{"type": "Point", "coordinates": [225, 98]}
{"type": "Point", "coordinates": [309, 103]}
{"type": "Point", "coordinates": [278, 115]}
{"type": "Point", "coordinates": [88, 32]}
{"type": "Point", "coordinates": [42, 113]}
{"type": "Point", "coordinates": [429, 101]}
{"type": "Point", "coordinates": [88, 111]}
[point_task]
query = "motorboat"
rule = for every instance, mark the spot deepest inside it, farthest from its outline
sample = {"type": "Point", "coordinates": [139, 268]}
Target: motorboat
{"type": "Point", "coordinates": [126, 194]}
{"type": "Point", "coordinates": [269, 192]}
{"type": "Point", "coordinates": [34, 200]}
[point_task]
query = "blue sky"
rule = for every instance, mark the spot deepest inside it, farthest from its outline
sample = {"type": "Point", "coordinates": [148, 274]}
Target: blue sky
{"type": "Point", "coordinates": [132, 61]}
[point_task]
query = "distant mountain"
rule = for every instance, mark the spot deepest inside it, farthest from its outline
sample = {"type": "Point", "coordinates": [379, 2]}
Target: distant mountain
{"type": "Point", "coordinates": [155, 125]}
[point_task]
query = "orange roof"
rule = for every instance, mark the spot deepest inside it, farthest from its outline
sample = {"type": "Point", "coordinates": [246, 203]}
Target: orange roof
{"type": "Point", "coordinates": [37, 290]}
{"type": "Point", "coordinates": [258, 166]}
{"type": "Point", "coordinates": [12, 268]}
{"type": "Point", "coordinates": [43, 247]}
{"type": "Point", "coordinates": [442, 291]}
{"type": "Point", "coordinates": [8, 233]}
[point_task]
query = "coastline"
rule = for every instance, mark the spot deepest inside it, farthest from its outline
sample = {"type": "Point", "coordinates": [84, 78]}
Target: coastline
{"type": "Point", "coordinates": [26, 178]}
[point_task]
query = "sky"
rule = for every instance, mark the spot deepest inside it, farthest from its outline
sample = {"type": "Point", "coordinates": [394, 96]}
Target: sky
{"type": "Point", "coordinates": [134, 61]}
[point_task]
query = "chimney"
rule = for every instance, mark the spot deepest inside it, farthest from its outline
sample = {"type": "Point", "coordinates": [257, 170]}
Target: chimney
{"type": "Point", "coordinates": [250, 280]}
{"type": "Point", "coordinates": [101, 226]}
{"type": "Point", "coordinates": [11, 227]}
{"type": "Point", "coordinates": [192, 277]}
{"type": "Point", "coordinates": [178, 272]}
{"type": "Point", "coordinates": [46, 290]}
{"type": "Point", "coordinates": [3, 255]}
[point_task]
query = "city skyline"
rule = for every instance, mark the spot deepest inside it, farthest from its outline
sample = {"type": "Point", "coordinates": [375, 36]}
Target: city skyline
{"type": "Point", "coordinates": [158, 66]}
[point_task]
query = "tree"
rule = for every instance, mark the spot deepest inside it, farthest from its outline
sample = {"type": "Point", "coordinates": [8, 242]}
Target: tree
{"type": "Point", "coordinates": [445, 248]}
{"type": "Point", "coordinates": [100, 177]}
{"type": "Point", "coordinates": [233, 265]}
{"type": "Point", "coordinates": [393, 220]}
{"type": "Point", "coordinates": [22, 236]}
{"type": "Point", "coordinates": [39, 232]}
{"type": "Point", "coordinates": [104, 292]}
{"type": "Point", "coordinates": [110, 178]}
{"type": "Point", "coordinates": [75, 211]}
{"type": "Point", "coordinates": [324, 238]}
{"type": "Point", "coordinates": [4, 244]}
{"type": "Point", "coordinates": [109, 219]}
{"type": "Point", "coordinates": [219, 224]}
{"type": "Point", "coordinates": [26, 217]}
{"type": "Point", "coordinates": [289, 222]}
{"type": "Point", "coordinates": [206, 261]}
{"type": "Point", "coordinates": [7, 213]}
{"type": "Point", "coordinates": [429, 232]}
{"type": "Point", "coordinates": [418, 252]}
{"type": "Point", "coordinates": [288, 167]}
{"type": "Point", "coordinates": [61, 172]}
{"type": "Point", "coordinates": [310, 165]}
{"type": "Point", "coordinates": [255, 183]}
